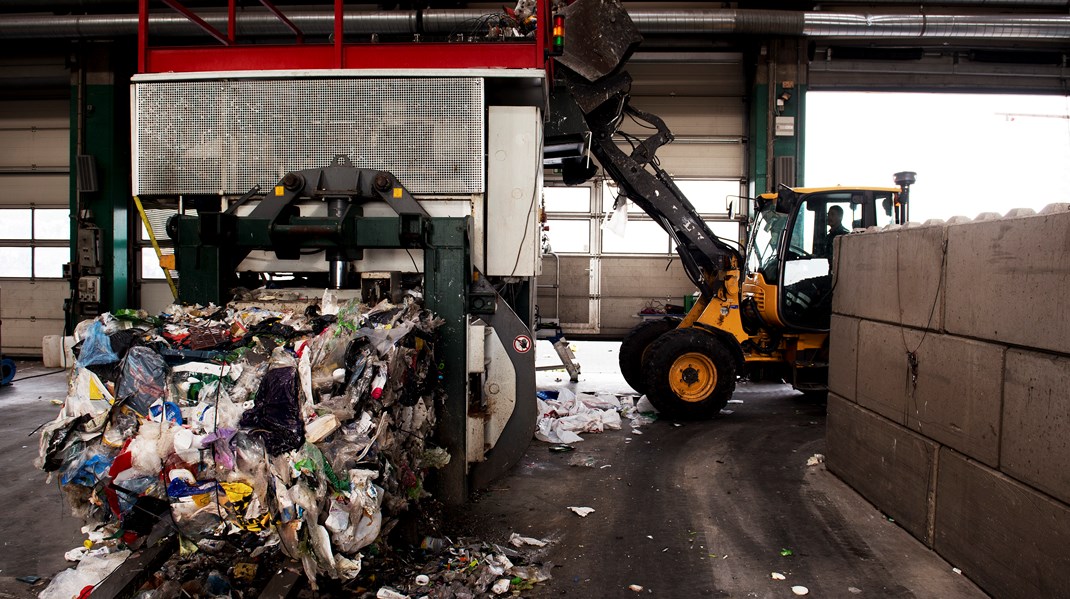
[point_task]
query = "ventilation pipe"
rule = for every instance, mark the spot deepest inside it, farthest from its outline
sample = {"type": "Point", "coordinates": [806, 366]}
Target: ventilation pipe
{"type": "Point", "coordinates": [828, 25]}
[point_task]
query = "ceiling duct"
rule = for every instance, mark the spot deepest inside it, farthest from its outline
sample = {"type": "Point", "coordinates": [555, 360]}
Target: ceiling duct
{"type": "Point", "coordinates": [825, 25]}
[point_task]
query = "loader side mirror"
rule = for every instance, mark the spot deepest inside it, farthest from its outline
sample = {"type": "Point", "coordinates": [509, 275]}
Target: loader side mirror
{"type": "Point", "coordinates": [786, 198]}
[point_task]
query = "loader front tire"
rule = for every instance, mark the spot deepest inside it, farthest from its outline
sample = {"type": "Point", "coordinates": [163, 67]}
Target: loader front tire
{"type": "Point", "coordinates": [634, 346]}
{"type": "Point", "coordinates": [689, 374]}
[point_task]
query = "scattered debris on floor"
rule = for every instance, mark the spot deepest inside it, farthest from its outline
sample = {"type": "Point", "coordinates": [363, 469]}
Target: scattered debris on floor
{"type": "Point", "coordinates": [777, 576]}
{"type": "Point", "coordinates": [563, 415]}
{"type": "Point", "coordinates": [519, 541]}
{"type": "Point", "coordinates": [786, 552]}
{"type": "Point", "coordinates": [468, 568]}
{"type": "Point", "coordinates": [581, 511]}
{"type": "Point", "coordinates": [636, 588]}
{"type": "Point", "coordinates": [252, 432]}
{"type": "Point", "coordinates": [815, 459]}
{"type": "Point", "coordinates": [641, 414]}
{"type": "Point", "coordinates": [800, 590]}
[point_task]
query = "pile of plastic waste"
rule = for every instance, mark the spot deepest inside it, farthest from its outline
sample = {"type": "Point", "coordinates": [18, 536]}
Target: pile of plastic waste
{"type": "Point", "coordinates": [308, 429]}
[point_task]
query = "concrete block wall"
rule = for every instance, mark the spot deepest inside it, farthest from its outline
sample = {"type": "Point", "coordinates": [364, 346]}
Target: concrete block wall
{"type": "Point", "coordinates": [949, 380]}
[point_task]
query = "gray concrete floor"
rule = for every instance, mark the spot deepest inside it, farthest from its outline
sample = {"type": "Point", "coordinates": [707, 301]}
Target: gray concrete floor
{"type": "Point", "coordinates": [36, 526]}
{"type": "Point", "coordinates": [695, 509]}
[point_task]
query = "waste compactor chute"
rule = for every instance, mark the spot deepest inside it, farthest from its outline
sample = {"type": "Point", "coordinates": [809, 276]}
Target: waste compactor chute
{"type": "Point", "coordinates": [487, 351]}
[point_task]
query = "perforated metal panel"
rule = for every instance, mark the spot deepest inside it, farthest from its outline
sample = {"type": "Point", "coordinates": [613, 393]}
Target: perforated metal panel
{"type": "Point", "coordinates": [211, 136]}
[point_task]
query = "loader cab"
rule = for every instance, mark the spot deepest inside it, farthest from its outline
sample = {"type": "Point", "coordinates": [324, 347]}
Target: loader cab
{"type": "Point", "coordinates": [790, 269]}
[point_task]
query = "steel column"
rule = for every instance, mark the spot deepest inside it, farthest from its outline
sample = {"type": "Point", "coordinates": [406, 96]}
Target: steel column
{"type": "Point", "coordinates": [447, 271]}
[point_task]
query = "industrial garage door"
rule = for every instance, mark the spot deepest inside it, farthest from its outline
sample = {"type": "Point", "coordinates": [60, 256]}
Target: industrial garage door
{"type": "Point", "coordinates": [596, 282]}
{"type": "Point", "coordinates": [34, 209]}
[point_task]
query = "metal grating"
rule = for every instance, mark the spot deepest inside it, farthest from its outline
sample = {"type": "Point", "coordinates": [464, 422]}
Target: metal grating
{"type": "Point", "coordinates": [210, 136]}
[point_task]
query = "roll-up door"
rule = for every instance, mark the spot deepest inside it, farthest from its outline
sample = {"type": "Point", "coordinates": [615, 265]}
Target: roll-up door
{"type": "Point", "coordinates": [606, 281]}
{"type": "Point", "coordinates": [34, 205]}
{"type": "Point", "coordinates": [34, 217]}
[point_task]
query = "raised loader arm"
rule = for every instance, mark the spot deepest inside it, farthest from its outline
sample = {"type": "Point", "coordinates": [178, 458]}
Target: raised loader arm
{"type": "Point", "coordinates": [601, 36]}
{"type": "Point", "coordinates": [605, 105]}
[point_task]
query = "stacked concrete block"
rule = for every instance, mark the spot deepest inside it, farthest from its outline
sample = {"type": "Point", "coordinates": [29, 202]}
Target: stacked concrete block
{"type": "Point", "coordinates": [901, 271]}
{"type": "Point", "coordinates": [1004, 535]}
{"type": "Point", "coordinates": [1007, 280]}
{"type": "Point", "coordinates": [949, 372]}
{"type": "Point", "coordinates": [889, 465]}
{"type": "Point", "coordinates": [1036, 421]}
{"type": "Point", "coordinates": [843, 351]}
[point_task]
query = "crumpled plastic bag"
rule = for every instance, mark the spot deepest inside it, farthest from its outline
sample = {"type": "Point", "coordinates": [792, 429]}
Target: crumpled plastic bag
{"type": "Point", "coordinates": [617, 221]}
{"type": "Point", "coordinates": [87, 394]}
{"type": "Point", "coordinates": [275, 418]}
{"type": "Point", "coordinates": [90, 571]}
{"type": "Point", "coordinates": [56, 438]}
{"type": "Point", "coordinates": [96, 347]}
{"type": "Point", "coordinates": [143, 381]}
{"type": "Point", "coordinates": [561, 419]}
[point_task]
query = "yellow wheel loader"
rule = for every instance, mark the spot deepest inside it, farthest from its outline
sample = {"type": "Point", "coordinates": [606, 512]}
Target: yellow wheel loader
{"type": "Point", "coordinates": [765, 310]}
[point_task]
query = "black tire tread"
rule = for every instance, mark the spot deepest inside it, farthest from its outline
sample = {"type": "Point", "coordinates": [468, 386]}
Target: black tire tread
{"type": "Point", "coordinates": [659, 359]}
{"type": "Point", "coordinates": [630, 356]}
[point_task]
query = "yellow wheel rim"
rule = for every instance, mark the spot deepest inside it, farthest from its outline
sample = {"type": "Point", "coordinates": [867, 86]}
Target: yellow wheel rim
{"type": "Point", "coordinates": [693, 377]}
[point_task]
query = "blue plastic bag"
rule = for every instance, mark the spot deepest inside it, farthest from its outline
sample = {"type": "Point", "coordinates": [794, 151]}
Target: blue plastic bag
{"type": "Point", "coordinates": [96, 347]}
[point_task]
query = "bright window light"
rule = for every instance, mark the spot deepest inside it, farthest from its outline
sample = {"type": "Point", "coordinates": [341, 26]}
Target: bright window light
{"type": "Point", "coordinates": [973, 153]}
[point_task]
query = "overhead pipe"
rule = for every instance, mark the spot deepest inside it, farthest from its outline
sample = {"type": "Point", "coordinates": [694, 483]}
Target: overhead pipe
{"type": "Point", "coordinates": [1063, 4]}
{"type": "Point", "coordinates": [848, 25]}
{"type": "Point", "coordinates": [832, 25]}
{"type": "Point", "coordinates": [60, 6]}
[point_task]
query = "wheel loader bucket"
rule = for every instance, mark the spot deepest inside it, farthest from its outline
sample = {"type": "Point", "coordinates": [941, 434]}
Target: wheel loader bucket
{"type": "Point", "coordinates": [599, 37]}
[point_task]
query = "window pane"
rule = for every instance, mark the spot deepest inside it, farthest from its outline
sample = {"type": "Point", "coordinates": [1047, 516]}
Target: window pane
{"type": "Point", "coordinates": [48, 262]}
{"type": "Point", "coordinates": [150, 264]}
{"type": "Point", "coordinates": [158, 218]}
{"type": "Point", "coordinates": [15, 262]}
{"type": "Point", "coordinates": [573, 236]}
{"type": "Point", "coordinates": [567, 199]}
{"type": "Point", "coordinates": [726, 231]}
{"type": "Point", "coordinates": [708, 197]}
{"type": "Point", "coordinates": [51, 223]}
{"type": "Point", "coordinates": [711, 197]}
{"type": "Point", "coordinates": [15, 224]}
{"type": "Point", "coordinates": [640, 237]}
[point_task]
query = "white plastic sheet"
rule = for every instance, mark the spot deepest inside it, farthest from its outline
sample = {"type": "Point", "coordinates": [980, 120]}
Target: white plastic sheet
{"type": "Point", "coordinates": [562, 419]}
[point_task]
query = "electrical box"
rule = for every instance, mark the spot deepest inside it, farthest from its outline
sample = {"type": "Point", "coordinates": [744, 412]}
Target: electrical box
{"type": "Point", "coordinates": [514, 190]}
{"type": "Point", "coordinates": [88, 248]}
{"type": "Point", "coordinates": [784, 126]}
{"type": "Point", "coordinates": [89, 289]}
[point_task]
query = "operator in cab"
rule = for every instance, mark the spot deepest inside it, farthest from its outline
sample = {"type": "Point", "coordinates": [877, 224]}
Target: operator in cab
{"type": "Point", "coordinates": [836, 228]}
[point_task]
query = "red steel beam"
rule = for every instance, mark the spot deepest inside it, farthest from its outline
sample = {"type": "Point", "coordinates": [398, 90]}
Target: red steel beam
{"type": "Point", "coordinates": [278, 14]}
{"type": "Point", "coordinates": [232, 20]}
{"type": "Point", "coordinates": [189, 14]}
{"type": "Point", "coordinates": [339, 34]}
{"type": "Point", "coordinates": [430, 55]}
{"type": "Point", "coordinates": [142, 35]}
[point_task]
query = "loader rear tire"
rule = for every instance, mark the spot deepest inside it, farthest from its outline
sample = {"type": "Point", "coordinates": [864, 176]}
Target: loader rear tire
{"type": "Point", "coordinates": [689, 374]}
{"type": "Point", "coordinates": [634, 346]}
